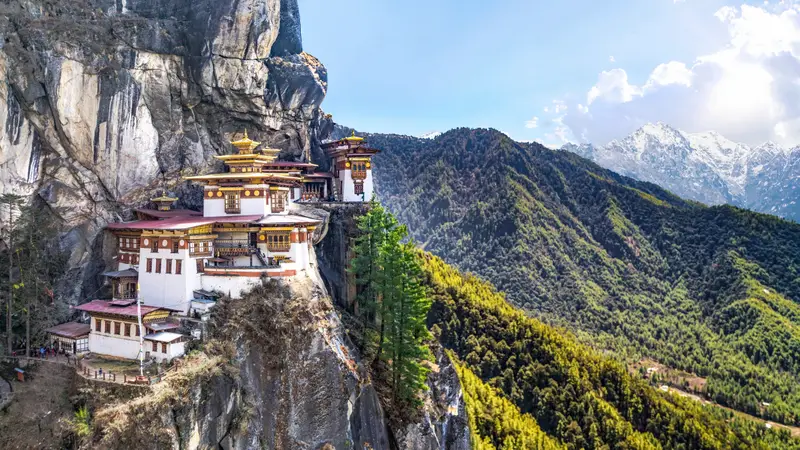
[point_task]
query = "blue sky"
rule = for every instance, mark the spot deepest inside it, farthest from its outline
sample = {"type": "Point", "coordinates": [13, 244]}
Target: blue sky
{"type": "Point", "coordinates": [416, 66]}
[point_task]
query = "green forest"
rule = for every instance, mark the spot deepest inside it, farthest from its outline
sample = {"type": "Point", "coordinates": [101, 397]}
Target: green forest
{"type": "Point", "coordinates": [528, 385]}
{"type": "Point", "coordinates": [626, 266]}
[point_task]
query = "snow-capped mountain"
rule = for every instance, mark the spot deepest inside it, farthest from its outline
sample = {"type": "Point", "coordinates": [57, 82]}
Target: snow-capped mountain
{"type": "Point", "coordinates": [706, 167]}
{"type": "Point", "coordinates": [430, 135]}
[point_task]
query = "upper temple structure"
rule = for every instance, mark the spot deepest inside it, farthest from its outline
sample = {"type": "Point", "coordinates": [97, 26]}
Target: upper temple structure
{"type": "Point", "coordinates": [175, 262]}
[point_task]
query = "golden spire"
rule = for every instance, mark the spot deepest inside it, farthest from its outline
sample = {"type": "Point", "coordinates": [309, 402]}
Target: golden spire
{"type": "Point", "coordinates": [353, 137]}
{"type": "Point", "coordinates": [245, 145]}
{"type": "Point", "coordinates": [164, 203]}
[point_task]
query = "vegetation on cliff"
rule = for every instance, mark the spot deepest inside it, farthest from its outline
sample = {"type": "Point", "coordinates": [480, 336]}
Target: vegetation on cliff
{"type": "Point", "coordinates": [31, 263]}
{"type": "Point", "coordinates": [625, 265]}
{"type": "Point", "coordinates": [541, 379]}
{"type": "Point", "coordinates": [393, 300]}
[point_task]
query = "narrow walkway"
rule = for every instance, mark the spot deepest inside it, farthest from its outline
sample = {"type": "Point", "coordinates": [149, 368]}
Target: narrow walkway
{"type": "Point", "coordinates": [86, 371]}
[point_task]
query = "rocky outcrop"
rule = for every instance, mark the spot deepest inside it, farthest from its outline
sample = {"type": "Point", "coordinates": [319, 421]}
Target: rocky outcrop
{"type": "Point", "coordinates": [279, 374]}
{"type": "Point", "coordinates": [102, 102]}
{"type": "Point", "coordinates": [443, 423]}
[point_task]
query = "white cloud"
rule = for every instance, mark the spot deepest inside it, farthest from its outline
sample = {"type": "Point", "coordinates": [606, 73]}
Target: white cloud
{"type": "Point", "coordinates": [612, 86]}
{"type": "Point", "coordinates": [749, 90]}
{"type": "Point", "coordinates": [533, 123]}
{"type": "Point", "coordinates": [547, 109]}
{"type": "Point", "coordinates": [611, 59]}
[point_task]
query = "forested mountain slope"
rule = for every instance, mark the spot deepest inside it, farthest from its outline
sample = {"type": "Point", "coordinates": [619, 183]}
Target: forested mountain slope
{"type": "Point", "coordinates": [529, 385]}
{"type": "Point", "coordinates": [626, 265]}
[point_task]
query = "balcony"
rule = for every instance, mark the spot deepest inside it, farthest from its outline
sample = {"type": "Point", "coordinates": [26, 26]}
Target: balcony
{"type": "Point", "coordinates": [232, 243]}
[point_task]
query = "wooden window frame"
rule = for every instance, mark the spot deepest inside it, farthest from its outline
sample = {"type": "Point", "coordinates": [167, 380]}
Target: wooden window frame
{"type": "Point", "coordinates": [358, 188]}
{"type": "Point", "coordinates": [164, 348]}
{"type": "Point", "coordinates": [155, 347]}
{"type": "Point", "coordinates": [278, 201]}
{"type": "Point", "coordinates": [149, 265]}
{"type": "Point", "coordinates": [178, 266]}
{"type": "Point", "coordinates": [201, 266]}
{"type": "Point", "coordinates": [108, 327]}
{"type": "Point", "coordinates": [117, 328]}
{"type": "Point", "coordinates": [98, 325]}
{"type": "Point", "coordinates": [176, 246]}
{"type": "Point", "coordinates": [233, 202]}
{"type": "Point", "coordinates": [154, 246]}
{"type": "Point", "coordinates": [158, 265]}
{"type": "Point", "coordinates": [279, 241]}
{"type": "Point", "coordinates": [168, 268]}
{"type": "Point", "coordinates": [127, 329]}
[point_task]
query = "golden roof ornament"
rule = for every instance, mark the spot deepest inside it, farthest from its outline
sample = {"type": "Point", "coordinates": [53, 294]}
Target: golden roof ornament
{"type": "Point", "coordinates": [245, 145]}
{"type": "Point", "coordinates": [164, 203]}
{"type": "Point", "coordinates": [353, 138]}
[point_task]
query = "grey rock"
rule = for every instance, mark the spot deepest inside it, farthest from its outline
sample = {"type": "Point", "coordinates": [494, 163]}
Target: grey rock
{"type": "Point", "coordinates": [104, 102]}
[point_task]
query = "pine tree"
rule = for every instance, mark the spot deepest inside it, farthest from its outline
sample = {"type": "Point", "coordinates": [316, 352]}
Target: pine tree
{"type": "Point", "coordinates": [393, 298]}
{"type": "Point", "coordinates": [408, 329]}
{"type": "Point", "coordinates": [365, 266]}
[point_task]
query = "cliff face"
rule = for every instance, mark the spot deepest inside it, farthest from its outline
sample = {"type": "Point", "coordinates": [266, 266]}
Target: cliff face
{"type": "Point", "coordinates": [104, 101]}
{"type": "Point", "coordinates": [279, 373]}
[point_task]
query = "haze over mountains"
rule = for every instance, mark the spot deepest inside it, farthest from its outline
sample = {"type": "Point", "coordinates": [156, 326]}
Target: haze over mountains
{"type": "Point", "coordinates": [705, 167]}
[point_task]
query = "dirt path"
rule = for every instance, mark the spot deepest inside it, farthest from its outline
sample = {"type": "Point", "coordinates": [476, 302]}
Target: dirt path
{"type": "Point", "coordinates": [794, 430]}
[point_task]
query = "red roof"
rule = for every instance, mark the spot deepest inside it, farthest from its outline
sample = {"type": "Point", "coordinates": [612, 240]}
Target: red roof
{"type": "Point", "coordinates": [105, 307]}
{"type": "Point", "coordinates": [289, 164]}
{"type": "Point", "coordinates": [318, 175]}
{"type": "Point", "coordinates": [70, 330]}
{"type": "Point", "coordinates": [180, 223]}
{"type": "Point", "coordinates": [167, 214]}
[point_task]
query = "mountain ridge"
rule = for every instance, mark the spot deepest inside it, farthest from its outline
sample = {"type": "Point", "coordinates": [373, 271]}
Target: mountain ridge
{"type": "Point", "coordinates": [705, 167]}
{"type": "Point", "coordinates": [626, 265]}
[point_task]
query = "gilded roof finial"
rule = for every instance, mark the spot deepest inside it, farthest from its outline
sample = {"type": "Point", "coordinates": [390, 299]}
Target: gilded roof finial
{"type": "Point", "coordinates": [245, 145]}
{"type": "Point", "coordinates": [353, 137]}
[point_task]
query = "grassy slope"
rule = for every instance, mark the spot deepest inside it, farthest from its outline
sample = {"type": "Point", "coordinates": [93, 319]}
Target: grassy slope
{"type": "Point", "coordinates": [624, 264]}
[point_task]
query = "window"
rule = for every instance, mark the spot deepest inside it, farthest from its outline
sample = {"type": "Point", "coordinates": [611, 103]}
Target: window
{"type": "Point", "coordinates": [163, 347]}
{"type": "Point", "coordinates": [175, 246]}
{"type": "Point", "coordinates": [127, 329]}
{"type": "Point", "coordinates": [154, 247]}
{"type": "Point", "coordinates": [169, 266]}
{"type": "Point", "coordinates": [155, 347]}
{"type": "Point", "coordinates": [136, 327]}
{"type": "Point", "coordinates": [117, 328]}
{"type": "Point", "coordinates": [108, 327]}
{"type": "Point", "coordinates": [98, 325]}
{"type": "Point", "coordinates": [278, 242]}
{"type": "Point", "coordinates": [232, 203]}
{"type": "Point", "coordinates": [149, 264]}
{"type": "Point", "coordinates": [158, 266]}
{"type": "Point", "coordinates": [82, 345]}
{"type": "Point", "coordinates": [358, 188]}
{"type": "Point", "coordinates": [200, 266]}
{"type": "Point", "coordinates": [178, 266]}
{"type": "Point", "coordinates": [278, 200]}
{"type": "Point", "coordinates": [358, 170]}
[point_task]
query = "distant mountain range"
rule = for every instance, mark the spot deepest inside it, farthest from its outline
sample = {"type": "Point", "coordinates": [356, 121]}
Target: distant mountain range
{"type": "Point", "coordinates": [706, 167]}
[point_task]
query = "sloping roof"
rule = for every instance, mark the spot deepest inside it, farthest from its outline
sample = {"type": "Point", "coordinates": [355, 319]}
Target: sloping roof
{"type": "Point", "coordinates": [290, 164]}
{"type": "Point", "coordinates": [180, 223]}
{"type": "Point", "coordinates": [71, 330]}
{"type": "Point", "coordinates": [105, 307]}
{"type": "Point", "coordinates": [163, 336]}
{"type": "Point", "coordinates": [161, 326]}
{"type": "Point", "coordinates": [127, 273]}
{"type": "Point", "coordinates": [167, 214]}
{"type": "Point", "coordinates": [318, 175]}
{"type": "Point", "coordinates": [288, 219]}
